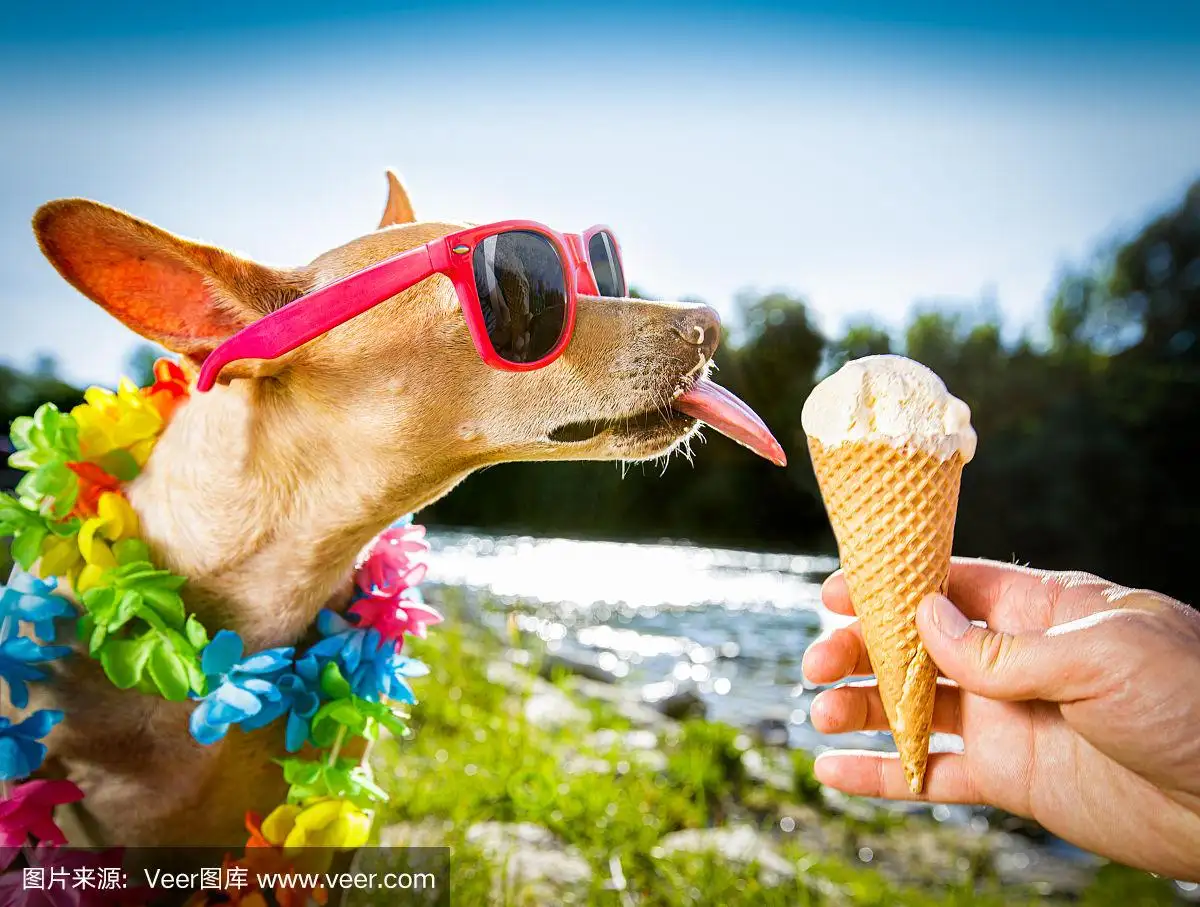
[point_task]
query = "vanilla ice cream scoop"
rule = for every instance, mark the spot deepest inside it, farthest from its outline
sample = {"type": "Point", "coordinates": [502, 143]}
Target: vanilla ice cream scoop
{"type": "Point", "coordinates": [893, 400]}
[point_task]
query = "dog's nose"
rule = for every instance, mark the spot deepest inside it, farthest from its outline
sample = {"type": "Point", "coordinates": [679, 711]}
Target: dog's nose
{"type": "Point", "coordinates": [701, 327]}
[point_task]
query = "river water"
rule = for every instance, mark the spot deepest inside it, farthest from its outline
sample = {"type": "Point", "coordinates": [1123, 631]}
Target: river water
{"type": "Point", "coordinates": [730, 625]}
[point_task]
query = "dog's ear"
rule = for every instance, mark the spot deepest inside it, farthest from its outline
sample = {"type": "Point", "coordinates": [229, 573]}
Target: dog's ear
{"type": "Point", "coordinates": [183, 295]}
{"type": "Point", "coordinates": [398, 209]}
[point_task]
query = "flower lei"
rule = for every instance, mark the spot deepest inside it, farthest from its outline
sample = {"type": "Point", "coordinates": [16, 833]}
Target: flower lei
{"type": "Point", "coordinates": [70, 518]}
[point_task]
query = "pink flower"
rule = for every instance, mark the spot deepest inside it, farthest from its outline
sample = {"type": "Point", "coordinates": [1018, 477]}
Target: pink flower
{"type": "Point", "coordinates": [392, 563]}
{"type": "Point", "coordinates": [391, 568]}
{"type": "Point", "coordinates": [29, 810]}
{"type": "Point", "coordinates": [394, 616]}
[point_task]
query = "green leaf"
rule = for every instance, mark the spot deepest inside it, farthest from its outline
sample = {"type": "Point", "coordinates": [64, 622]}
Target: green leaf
{"type": "Point", "coordinates": [120, 464]}
{"type": "Point", "coordinates": [187, 657]}
{"type": "Point", "coordinates": [357, 716]}
{"type": "Point", "coordinates": [98, 599]}
{"type": "Point", "coordinates": [19, 433]}
{"type": "Point", "coordinates": [169, 673]}
{"type": "Point", "coordinates": [124, 660]}
{"type": "Point", "coordinates": [128, 606]}
{"type": "Point", "coordinates": [195, 632]}
{"type": "Point", "coordinates": [344, 711]}
{"type": "Point", "coordinates": [27, 526]}
{"type": "Point", "coordinates": [196, 678]}
{"type": "Point", "coordinates": [345, 780]}
{"type": "Point", "coordinates": [44, 446]}
{"type": "Point", "coordinates": [325, 726]}
{"type": "Point", "coordinates": [166, 603]}
{"type": "Point", "coordinates": [393, 722]}
{"type": "Point", "coordinates": [27, 546]}
{"type": "Point", "coordinates": [84, 626]}
{"type": "Point", "coordinates": [66, 528]}
{"type": "Point", "coordinates": [299, 771]}
{"type": "Point", "coordinates": [133, 573]}
{"type": "Point", "coordinates": [333, 684]}
{"type": "Point", "coordinates": [99, 635]}
{"type": "Point", "coordinates": [129, 551]}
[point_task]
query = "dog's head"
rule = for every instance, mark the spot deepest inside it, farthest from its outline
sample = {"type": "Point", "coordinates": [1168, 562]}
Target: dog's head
{"type": "Point", "coordinates": [405, 372]}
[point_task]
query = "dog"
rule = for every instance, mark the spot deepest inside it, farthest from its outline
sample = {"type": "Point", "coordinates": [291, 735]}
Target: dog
{"type": "Point", "coordinates": [263, 491]}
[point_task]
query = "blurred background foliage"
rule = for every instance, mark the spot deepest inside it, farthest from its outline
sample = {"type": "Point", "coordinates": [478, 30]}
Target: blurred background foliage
{"type": "Point", "coordinates": [1088, 439]}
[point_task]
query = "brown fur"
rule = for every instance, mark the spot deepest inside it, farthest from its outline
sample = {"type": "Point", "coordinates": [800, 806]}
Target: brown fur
{"type": "Point", "coordinates": [263, 491]}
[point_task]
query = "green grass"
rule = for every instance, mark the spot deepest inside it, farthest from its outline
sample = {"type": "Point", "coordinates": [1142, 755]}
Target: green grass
{"type": "Point", "coordinates": [474, 757]}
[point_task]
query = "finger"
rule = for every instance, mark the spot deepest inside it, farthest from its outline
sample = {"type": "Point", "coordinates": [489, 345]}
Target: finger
{"type": "Point", "coordinates": [976, 585]}
{"type": "Point", "coordinates": [835, 595]}
{"type": "Point", "coordinates": [857, 707]}
{"type": "Point", "coordinates": [1062, 664]}
{"type": "Point", "coordinates": [866, 774]}
{"type": "Point", "coordinates": [1014, 598]}
{"type": "Point", "coordinates": [981, 588]}
{"type": "Point", "coordinates": [837, 656]}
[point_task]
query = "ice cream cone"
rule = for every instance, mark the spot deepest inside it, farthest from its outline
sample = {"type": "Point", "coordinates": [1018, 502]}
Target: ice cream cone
{"type": "Point", "coordinates": [892, 509]}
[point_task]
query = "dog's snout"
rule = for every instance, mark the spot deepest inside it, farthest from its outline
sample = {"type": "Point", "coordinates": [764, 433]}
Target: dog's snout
{"type": "Point", "coordinates": [701, 327]}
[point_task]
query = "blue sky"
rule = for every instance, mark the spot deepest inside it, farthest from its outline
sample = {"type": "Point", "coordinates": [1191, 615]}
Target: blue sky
{"type": "Point", "coordinates": [869, 156]}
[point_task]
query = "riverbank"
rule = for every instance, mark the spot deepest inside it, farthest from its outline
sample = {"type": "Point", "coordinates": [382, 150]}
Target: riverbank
{"type": "Point", "coordinates": [571, 790]}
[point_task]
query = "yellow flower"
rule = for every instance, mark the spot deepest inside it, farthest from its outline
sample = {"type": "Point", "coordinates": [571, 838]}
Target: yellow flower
{"type": "Point", "coordinates": [86, 557]}
{"type": "Point", "coordinates": [325, 822]}
{"type": "Point", "coordinates": [126, 420]}
{"type": "Point", "coordinates": [60, 557]}
{"type": "Point", "coordinates": [115, 521]}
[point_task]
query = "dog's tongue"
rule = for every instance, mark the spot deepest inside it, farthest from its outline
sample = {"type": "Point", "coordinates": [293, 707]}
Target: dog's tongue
{"type": "Point", "coordinates": [712, 404]}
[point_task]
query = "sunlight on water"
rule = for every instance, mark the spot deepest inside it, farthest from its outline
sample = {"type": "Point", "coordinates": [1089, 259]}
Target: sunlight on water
{"type": "Point", "coordinates": [729, 626]}
{"type": "Point", "coordinates": [579, 574]}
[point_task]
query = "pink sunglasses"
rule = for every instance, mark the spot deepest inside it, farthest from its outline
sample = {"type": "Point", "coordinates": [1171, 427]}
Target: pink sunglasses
{"type": "Point", "coordinates": [517, 282]}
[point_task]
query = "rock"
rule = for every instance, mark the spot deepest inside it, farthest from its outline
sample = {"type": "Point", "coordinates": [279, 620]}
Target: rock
{"type": "Point", "coordinates": [552, 664]}
{"type": "Point", "coordinates": [771, 732]}
{"type": "Point", "coordinates": [532, 866]}
{"type": "Point", "coordinates": [676, 700]}
{"type": "Point", "coordinates": [739, 845]}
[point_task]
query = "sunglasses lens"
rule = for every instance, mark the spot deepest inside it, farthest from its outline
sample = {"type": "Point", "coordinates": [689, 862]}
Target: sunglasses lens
{"type": "Point", "coordinates": [606, 264]}
{"type": "Point", "coordinates": [523, 294]}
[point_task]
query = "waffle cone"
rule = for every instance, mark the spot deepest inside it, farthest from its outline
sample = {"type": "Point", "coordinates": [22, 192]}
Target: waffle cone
{"type": "Point", "coordinates": [892, 511]}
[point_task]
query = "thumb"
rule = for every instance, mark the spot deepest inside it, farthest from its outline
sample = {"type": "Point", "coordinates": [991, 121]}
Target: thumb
{"type": "Point", "coordinates": [1052, 665]}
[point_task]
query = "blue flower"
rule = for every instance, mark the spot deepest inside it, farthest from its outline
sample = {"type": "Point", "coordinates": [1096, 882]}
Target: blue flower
{"type": "Point", "coordinates": [299, 699]}
{"type": "Point", "coordinates": [383, 676]}
{"type": "Point", "coordinates": [344, 643]}
{"type": "Point", "coordinates": [18, 656]}
{"type": "Point", "coordinates": [29, 599]}
{"type": "Point", "coordinates": [238, 689]}
{"type": "Point", "coordinates": [21, 752]}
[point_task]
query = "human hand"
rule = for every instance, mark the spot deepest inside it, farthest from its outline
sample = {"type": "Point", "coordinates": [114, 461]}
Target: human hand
{"type": "Point", "coordinates": [1078, 705]}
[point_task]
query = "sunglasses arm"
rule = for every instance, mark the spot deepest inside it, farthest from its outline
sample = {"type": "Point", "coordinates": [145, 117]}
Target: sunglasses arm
{"type": "Point", "coordinates": [320, 311]}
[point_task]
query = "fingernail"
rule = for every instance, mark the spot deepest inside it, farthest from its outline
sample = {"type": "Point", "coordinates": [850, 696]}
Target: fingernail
{"type": "Point", "coordinates": [948, 619]}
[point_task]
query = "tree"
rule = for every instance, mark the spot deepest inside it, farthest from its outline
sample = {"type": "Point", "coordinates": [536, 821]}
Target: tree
{"type": "Point", "coordinates": [862, 338]}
